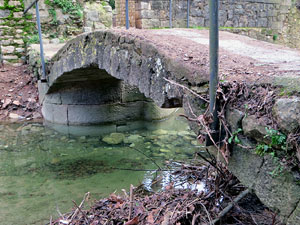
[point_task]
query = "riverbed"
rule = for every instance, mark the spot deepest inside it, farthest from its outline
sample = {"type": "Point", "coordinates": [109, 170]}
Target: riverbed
{"type": "Point", "coordinates": [42, 170]}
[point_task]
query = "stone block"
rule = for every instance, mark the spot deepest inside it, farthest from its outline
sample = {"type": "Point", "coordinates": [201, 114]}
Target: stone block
{"type": "Point", "coordinates": [18, 14]}
{"type": "Point", "coordinates": [110, 113]}
{"type": "Point", "coordinates": [53, 98]}
{"type": "Point", "coordinates": [60, 114]}
{"type": "Point", "coordinates": [43, 88]}
{"type": "Point", "coordinates": [8, 49]}
{"type": "Point", "coordinates": [4, 13]}
{"type": "Point", "coordinates": [47, 111]}
{"type": "Point", "coordinates": [19, 42]}
{"type": "Point", "coordinates": [10, 57]}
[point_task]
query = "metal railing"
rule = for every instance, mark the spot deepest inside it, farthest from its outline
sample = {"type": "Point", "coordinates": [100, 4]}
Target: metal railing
{"type": "Point", "coordinates": [35, 3]}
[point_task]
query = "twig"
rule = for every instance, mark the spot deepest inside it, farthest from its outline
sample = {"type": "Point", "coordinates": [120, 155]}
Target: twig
{"type": "Point", "coordinates": [50, 220]}
{"type": "Point", "coordinates": [85, 217]}
{"type": "Point", "coordinates": [185, 88]}
{"type": "Point", "coordinates": [208, 215]}
{"type": "Point", "coordinates": [131, 202]}
{"type": "Point", "coordinates": [195, 217]}
{"type": "Point", "coordinates": [231, 205]}
{"type": "Point", "coordinates": [86, 196]}
{"type": "Point", "coordinates": [59, 213]}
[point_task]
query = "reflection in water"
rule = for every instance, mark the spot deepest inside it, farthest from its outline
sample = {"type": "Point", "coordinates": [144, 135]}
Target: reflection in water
{"type": "Point", "coordinates": [42, 170]}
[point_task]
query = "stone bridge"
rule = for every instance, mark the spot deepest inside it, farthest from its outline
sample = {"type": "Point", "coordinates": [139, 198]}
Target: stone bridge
{"type": "Point", "coordinates": [112, 76]}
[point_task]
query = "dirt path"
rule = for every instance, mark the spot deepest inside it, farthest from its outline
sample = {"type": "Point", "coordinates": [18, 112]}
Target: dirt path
{"type": "Point", "coordinates": [18, 94]}
{"type": "Point", "coordinates": [242, 59]}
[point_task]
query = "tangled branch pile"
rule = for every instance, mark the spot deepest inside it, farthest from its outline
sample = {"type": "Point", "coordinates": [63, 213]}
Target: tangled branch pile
{"type": "Point", "coordinates": [217, 203]}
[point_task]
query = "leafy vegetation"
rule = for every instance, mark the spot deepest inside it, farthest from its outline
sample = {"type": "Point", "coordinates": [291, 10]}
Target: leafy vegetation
{"type": "Point", "coordinates": [278, 141]}
{"type": "Point", "coordinates": [234, 138]}
{"type": "Point", "coordinates": [67, 6]}
{"type": "Point", "coordinates": [34, 39]}
{"type": "Point", "coordinates": [112, 4]}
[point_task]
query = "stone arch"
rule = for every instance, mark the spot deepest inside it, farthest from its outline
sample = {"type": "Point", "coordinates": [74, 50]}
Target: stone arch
{"type": "Point", "coordinates": [96, 74]}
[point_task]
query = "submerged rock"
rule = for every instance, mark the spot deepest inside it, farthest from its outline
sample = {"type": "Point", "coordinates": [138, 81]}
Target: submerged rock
{"type": "Point", "coordinates": [114, 138]}
{"type": "Point", "coordinates": [133, 139]}
{"type": "Point", "coordinates": [160, 132]}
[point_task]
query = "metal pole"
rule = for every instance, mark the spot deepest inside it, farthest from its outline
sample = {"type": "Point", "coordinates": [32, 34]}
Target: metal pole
{"type": "Point", "coordinates": [170, 14]}
{"type": "Point", "coordinates": [213, 58]}
{"type": "Point", "coordinates": [127, 15]}
{"type": "Point", "coordinates": [188, 13]}
{"type": "Point", "coordinates": [43, 78]}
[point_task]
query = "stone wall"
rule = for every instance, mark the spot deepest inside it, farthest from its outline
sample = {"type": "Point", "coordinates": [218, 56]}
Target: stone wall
{"type": "Point", "coordinates": [13, 28]}
{"type": "Point", "coordinates": [120, 20]}
{"type": "Point", "coordinates": [268, 20]}
{"type": "Point", "coordinates": [232, 13]}
{"type": "Point", "coordinates": [97, 15]}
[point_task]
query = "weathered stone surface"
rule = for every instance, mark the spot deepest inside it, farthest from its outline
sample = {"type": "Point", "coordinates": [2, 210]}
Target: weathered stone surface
{"type": "Point", "coordinates": [99, 114]}
{"type": "Point", "coordinates": [295, 216]}
{"type": "Point", "coordinates": [4, 13]}
{"type": "Point", "coordinates": [254, 128]}
{"type": "Point", "coordinates": [10, 57]}
{"type": "Point", "coordinates": [270, 188]}
{"type": "Point", "coordinates": [97, 16]}
{"type": "Point", "coordinates": [247, 171]}
{"type": "Point", "coordinates": [8, 49]}
{"type": "Point", "coordinates": [114, 138]}
{"type": "Point", "coordinates": [234, 118]}
{"type": "Point", "coordinates": [279, 192]}
{"type": "Point", "coordinates": [153, 112]}
{"type": "Point", "coordinates": [287, 113]}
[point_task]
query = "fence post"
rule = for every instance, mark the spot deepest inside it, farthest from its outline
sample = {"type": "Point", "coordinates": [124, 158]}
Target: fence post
{"type": "Point", "coordinates": [127, 15]}
{"type": "Point", "coordinates": [213, 58]}
{"type": "Point", "coordinates": [188, 13]}
{"type": "Point", "coordinates": [170, 14]}
{"type": "Point", "coordinates": [43, 78]}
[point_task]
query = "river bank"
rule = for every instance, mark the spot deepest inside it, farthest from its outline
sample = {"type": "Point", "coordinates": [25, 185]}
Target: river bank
{"type": "Point", "coordinates": [18, 95]}
{"type": "Point", "coordinates": [221, 199]}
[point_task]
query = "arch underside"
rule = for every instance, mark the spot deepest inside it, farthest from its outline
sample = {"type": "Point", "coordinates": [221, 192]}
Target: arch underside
{"type": "Point", "coordinates": [90, 97]}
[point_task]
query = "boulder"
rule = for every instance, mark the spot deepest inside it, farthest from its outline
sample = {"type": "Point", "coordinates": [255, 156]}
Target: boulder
{"type": "Point", "coordinates": [287, 113]}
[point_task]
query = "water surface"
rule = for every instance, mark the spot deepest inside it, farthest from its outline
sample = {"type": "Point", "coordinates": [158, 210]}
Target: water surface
{"type": "Point", "coordinates": [43, 170]}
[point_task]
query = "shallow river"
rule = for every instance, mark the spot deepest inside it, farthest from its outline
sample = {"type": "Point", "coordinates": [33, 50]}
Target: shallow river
{"type": "Point", "coordinates": [43, 170]}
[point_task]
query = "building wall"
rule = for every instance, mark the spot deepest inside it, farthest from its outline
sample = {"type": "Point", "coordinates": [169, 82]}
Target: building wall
{"type": "Point", "coordinates": [232, 13]}
{"type": "Point", "coordinates": [120, 20]}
